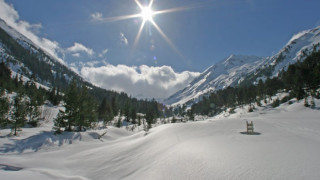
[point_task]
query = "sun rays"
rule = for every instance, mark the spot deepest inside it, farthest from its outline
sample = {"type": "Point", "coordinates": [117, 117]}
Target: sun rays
{"type": "Point", "coordinates": [147, 14]}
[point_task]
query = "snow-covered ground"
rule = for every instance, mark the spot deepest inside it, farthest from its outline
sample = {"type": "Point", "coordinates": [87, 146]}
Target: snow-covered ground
{"type": "Point", "coordinates": [287, 148]}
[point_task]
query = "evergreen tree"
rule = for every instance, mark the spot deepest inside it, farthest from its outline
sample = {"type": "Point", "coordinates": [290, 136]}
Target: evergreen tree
{"type": "Point", "coordinates": [71, 99]}
{"type": "Point", "coordinates": [80, 109]}
{"type": "Point", "coordinates": [190, 114]}
{"type": "Point", "coordinates": [127, 110]}
{"type": "Point", "coordinates": [19, 113]}
{"type": "Point", "coordinates": [33, 111]}
{"type": "Point", "coordinates": [5, 75]}
{"type": "Point", "coordinates": [139, 120]}
{"type": "Point", "coordinates": [59, 122]}
{"type": "Point", "coordinates": [4, 111]}
{"type": "Point", "coordinates": [150, 115]}
{"type": "Point", "coordinates": [133, 115]}
{"type": "Point", "coordinates": [105, 111]}
{"type": "Point", "coordinates": [87, 109]}
{"type": "Point", "coordinates": [54, 96]}
{"type": "Point", "coordinates": [119, 123]}
{"type": "Point", "coordinates": [114, 105]}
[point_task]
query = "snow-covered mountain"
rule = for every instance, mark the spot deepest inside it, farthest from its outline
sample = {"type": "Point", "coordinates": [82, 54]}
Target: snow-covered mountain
{"type": "Point", "coordinates": [32, 61]}
{"type": "Point", "coordinates": [238, 69]}
{"type": "Point", "coordinates": [27, 58]}
{"type": "Point", "coordinates": [228, 72]}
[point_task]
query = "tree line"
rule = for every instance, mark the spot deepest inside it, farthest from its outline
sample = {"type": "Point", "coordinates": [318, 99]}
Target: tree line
{"type": "Point", "coordinates": [83, 110]}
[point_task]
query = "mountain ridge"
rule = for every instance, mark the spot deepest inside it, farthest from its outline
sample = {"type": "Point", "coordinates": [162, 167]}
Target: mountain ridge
{"type": "Point", "coordinates": [241, 69]}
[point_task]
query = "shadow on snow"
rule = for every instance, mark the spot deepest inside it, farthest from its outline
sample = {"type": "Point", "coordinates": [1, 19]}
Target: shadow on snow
{"type": "Point", "coordinates": [43, 139]}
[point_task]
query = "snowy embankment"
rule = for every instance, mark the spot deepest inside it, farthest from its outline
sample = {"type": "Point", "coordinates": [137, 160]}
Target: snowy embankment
{"type": "Point", "coordinates": [287, 148]}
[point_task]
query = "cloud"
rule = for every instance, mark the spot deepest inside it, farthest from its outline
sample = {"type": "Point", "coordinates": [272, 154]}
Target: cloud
{"type": "Point", "coordinates": [123, 39]}
{"type": "Point", "coordinates": [97, 16]}
{"type": "Point", "coordinates": [76, 55]}
{"type": "Point", "coordinates": [11, 17]}
{"type": "Point", "coordinates": [143, 81]}
{"type": "Point", "coordinates": [77, 47]}
{"type": "Point", "coordinates": [104, 52]}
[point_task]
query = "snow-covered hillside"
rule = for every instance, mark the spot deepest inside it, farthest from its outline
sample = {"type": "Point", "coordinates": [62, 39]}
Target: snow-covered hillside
{"type": "Point", "coordinates": [287, 147]}
{"type": "Point", "coordinates": [27, 43]}
{"type": "Point", "coordinates": [299, 46]}
{"type": "Point", "coordinates": [25, 57]}
{"type": "Point", "coordinates": [238, 68]}
{"type": "Point", "coordinates": [228, 72]}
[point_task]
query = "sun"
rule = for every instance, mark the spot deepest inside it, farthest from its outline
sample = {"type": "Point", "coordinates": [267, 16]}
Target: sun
{"type": "Point", "coordinates": [147, 13]}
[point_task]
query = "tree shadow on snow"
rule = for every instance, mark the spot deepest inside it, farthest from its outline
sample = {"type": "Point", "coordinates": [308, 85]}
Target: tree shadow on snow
{"type": "Point", "coordinates": [6, 167]}
{"type": "Point", "coordinates": [35, 142]}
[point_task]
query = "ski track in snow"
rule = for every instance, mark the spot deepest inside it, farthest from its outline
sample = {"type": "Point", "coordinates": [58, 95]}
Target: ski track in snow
{"type": "Point", "coordinates": [287, 148]}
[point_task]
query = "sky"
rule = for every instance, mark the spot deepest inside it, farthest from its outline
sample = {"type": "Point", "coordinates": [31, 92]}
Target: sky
{"type": "Point", "coordinates": [181, 42]}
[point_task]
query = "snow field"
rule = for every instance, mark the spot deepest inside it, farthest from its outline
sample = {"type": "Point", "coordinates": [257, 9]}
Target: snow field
{"type": "Point", "coordinates": [287, 148]}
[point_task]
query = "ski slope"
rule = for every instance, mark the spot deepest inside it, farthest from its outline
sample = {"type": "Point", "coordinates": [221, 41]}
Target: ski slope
{"type": "Point", "coordinates": [287, 148]}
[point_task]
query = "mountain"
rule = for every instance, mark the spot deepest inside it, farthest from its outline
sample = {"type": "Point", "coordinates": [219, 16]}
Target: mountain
{"type": "Point", "coordinates": [228, 72]}
{"type": "Point", "coordinates": [26, 58]}
{"type": "Point", "coordinates": [241, 69]}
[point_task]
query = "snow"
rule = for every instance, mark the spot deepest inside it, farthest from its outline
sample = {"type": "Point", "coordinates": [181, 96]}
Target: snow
{"type": "Point", "coordinates": [234, 69]}
{"type": "Point", "coordinates": [226, 73]}
{"type": "Point", "coordinates": [27, 43]}
{"type": "Point", "coordinates": [287, 148]}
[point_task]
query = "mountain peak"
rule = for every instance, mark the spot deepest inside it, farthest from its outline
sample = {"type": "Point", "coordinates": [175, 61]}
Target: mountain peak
{"type": "Point", "coordinates": [235, 69]}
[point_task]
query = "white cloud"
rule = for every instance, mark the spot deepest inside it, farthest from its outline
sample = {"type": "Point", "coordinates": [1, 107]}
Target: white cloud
{"type": "Point", "coordinates": [143, 81]}
{"type": "Point", "coordinates": [123, 39]}
{"type": "Point", "coordinates": [77, 47]}
{"type": "Point", "coordinates": [11, 17]}
{"type": "Point", "coordinates": [76, 55]}
{"type": "Point", "coordinates": [104, 52]}
{"type": "Point", "coordinates": [97, 16]}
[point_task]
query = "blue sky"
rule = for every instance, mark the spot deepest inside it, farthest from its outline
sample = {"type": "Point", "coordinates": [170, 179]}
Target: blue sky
{"type": "Point", "coordinates": [203, 31]}
{"type": "Point", "coordinates": [203, 35]}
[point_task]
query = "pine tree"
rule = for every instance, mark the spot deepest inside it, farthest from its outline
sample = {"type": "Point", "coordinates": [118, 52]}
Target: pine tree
{"type": "Point", "coordinates": [150, 115]}
{"type": "Point", "coordinates": [133, 115]}
{"type": "Point", "coordinates": [119, 123]}
{"type": "Point", "coordinates": [114, 105]}
{"type": "Point", "coordinates": [127, 109]}
{"type": "Point", "coordinates": [190, 114]}
{"type": "Point", "coordinates": [33, 111]}
{"type": "Point", "coordinates": [5, 75]}
{"type": "Point", "coordinates": [87, 109]}
{"type": "Point", "coordinates": [4, 111]}
{"type": "Point", "coordinates": [139, 120]}
{"type": "Point", "coordinates": [59, 122]}
{"type": "Point", "coordinates": [71, 99]}
{"type": "Point", "coordinates": [105, 111]}
{"type": "Point", "coordinates": [19, 114]}
{"type": "Point", "coordinates": [80, 109]}
{"type": "Point", "coordinates": [54, 96]}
